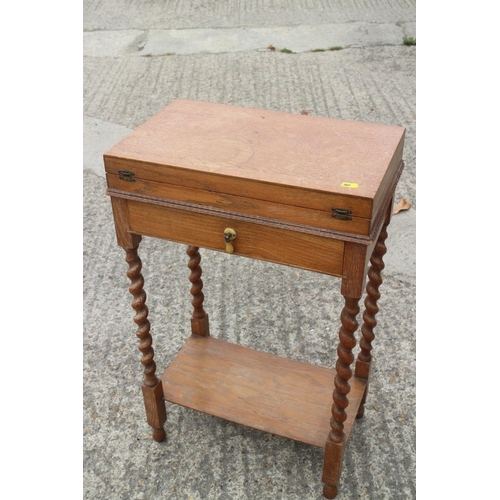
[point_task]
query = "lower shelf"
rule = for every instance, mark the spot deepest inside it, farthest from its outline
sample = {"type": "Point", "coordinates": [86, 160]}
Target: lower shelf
{"type": "Point", "coordinates": [256, 389]}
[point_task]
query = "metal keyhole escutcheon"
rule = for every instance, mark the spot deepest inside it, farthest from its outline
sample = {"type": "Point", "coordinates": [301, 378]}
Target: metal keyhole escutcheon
{"type": "Point", "coordinates": [229, 235]}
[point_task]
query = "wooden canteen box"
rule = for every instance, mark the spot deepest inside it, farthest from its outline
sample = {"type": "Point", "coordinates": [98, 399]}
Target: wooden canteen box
{"type": "Point", "coordinates": [309, 192]}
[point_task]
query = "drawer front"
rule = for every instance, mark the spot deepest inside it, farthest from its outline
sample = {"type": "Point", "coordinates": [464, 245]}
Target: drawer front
{"type": "Point", "coordinates": [283, 246]}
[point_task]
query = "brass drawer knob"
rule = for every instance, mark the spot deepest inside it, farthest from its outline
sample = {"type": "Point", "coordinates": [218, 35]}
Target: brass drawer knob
{"type": "Point", "coordinates": [229, 235]}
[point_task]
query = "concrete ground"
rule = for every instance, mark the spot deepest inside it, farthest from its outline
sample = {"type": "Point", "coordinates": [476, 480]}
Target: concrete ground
{"type": "Point", "coordinates": [138, 56]}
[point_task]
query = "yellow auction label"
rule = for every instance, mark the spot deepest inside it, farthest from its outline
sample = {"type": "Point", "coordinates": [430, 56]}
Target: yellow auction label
{"type": "Point", "coordinates": [351, 185]}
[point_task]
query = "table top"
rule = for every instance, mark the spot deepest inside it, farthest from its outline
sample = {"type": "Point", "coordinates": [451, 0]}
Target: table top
{"type": "Point", "coordinates": [310, 152]}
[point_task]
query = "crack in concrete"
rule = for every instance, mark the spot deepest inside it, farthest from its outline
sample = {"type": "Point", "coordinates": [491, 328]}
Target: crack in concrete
{"type": "Point", "coordinates": [298, 39]}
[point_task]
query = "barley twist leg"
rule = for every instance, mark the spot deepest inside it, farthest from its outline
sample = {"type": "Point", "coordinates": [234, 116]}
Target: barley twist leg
{"type": "Point", "coordinates": [151, 387]}
{"type": "Point", "coordinates": [199, 320]}
{"type": "Point", "coordinates": [334, 447]}
{"type": "Point", "coordinates": [371, 309]}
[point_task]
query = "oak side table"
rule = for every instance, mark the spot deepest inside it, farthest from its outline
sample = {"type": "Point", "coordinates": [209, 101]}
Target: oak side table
{"type": "Point", "coordinates": [310, 192]}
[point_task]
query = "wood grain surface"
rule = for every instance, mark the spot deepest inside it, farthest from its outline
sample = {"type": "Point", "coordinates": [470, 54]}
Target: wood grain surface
{"type": "Point", "coordinates": [260, 390]}
{"type": "Point", "coordinates": [241, 146]}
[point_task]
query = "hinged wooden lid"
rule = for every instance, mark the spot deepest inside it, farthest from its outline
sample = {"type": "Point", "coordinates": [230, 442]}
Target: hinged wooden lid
{"type": "Point", "coordinates": [306, 161]}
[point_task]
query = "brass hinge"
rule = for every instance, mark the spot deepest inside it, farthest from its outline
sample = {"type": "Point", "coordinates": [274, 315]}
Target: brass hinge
{"type": "Point", "coordinates": [125, 175]}
{"type": "Point", "coordinates": [341, 214]}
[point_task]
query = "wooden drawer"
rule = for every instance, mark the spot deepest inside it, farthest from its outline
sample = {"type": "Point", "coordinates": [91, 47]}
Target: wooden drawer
{"type": "Point", "coordinates": [258, 241]}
